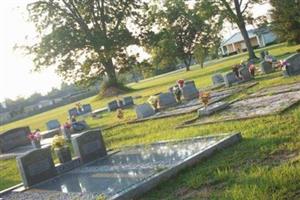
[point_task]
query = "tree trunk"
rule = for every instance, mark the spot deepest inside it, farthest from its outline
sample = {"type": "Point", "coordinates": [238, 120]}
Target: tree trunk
{"type": "Point", "coordinates": [188, 63]}
{"type": "Point", "coordinates": [245, 35]}
{"type": "Point", "coordinates": [111, 73]}
{"type": "Point", "coordinates": [242, 26]}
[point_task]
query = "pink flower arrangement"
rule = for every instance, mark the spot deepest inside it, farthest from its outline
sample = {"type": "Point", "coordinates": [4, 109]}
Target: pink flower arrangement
{"type": "Point", "coordinates": [180, 83]}
{"type": "Point", "coordinates": [67, 125]}
{"type": "Point", "coordinates": [34, 136]}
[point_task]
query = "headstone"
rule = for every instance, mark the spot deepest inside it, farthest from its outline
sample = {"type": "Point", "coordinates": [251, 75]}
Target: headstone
{"type": "Point", "coordinates": [14, 138]}
{"type": "Point", "coordinates": [293, 67]}
{"type": "Point", "coordinates": [262, 55]}
{"type": "Point", "coordinates": [73, 112]}
{"type": "Point", "coordinates": [87, 108]}
{"type": "Point", "coordinates": [166, 100]}
{"type": "Point", "coordinates": [53, 124]}
{"type": "Point", "coordinates": [244, 72]}
{"type": "Point", "coordinates": [120, 103]}
{"type": "Point", "coordinates": [112, 106]}
{"type": "Point", "coordinates": [190, 92]}
{"type": "Point", "coordinates": [190, 83]}
{"type": "Point", "coordinates": [128, 101]}
{"type": "Point", "coordinates": [230, 78]}
{"type": "Point", "coordinates": [213, 108]}
{"type": "Point", "coordinates": [217, 79]}
{"type": "Point", "coordinates": [266, 67]}
{"type": "Point", "coordinates": [89, 145]}
{"type": "Point", "coordinates": [36, 166]}
{"type": "Point", "coordinates": [144, 110]}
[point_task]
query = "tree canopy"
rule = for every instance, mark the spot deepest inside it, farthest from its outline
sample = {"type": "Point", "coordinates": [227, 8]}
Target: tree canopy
{"type": "Point", "coordinates": [83, 39]}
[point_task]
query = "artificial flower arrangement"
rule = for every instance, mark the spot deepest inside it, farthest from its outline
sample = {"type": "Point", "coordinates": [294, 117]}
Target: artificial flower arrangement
{"type": "Point", "coordinates": [34, 136]}
{"type": "Point", "coordinates": [58, 142]}
{"type": "Point", "coordinates": [205, 96]}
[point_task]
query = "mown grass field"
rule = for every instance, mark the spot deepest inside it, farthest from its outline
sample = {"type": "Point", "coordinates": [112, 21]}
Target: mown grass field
{"type": "Point", "coordinates": [265, 165]}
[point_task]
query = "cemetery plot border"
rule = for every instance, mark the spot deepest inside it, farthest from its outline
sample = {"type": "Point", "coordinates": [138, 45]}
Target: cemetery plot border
{"type": "Point", "coordinates": [228, 115]}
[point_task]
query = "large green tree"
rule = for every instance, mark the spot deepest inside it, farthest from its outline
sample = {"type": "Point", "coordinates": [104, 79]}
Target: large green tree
{"type": "Point", "coordinates": [83, 39]}
{"type": "Point", "coordinates": [286, 19]}
{"type": "Point", "coordinates": [238, 12]}
{"type": "Point", "coordinates": [179, 28]}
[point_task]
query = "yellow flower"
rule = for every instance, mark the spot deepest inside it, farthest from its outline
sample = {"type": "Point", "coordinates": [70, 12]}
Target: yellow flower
{"type": "Point", "coordinates": [58, 142]}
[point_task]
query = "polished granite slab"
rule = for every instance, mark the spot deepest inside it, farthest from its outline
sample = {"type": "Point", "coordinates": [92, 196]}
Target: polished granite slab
{"type": "Point", "coordinates": [117, 174]}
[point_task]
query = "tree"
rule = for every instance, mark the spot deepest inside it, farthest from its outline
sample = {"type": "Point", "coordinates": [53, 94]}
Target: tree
{"type": "Point", "coordinates": [286, 20]}
{"type": "Point", "coordinates": [82, 38]}
{"type": "Point", "coordinates": [181, 26]}
{"type": "Point", "coordinates": [237, 12]}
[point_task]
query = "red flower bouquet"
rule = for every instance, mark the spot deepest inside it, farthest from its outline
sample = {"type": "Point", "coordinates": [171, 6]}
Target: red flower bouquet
{"type": "Point", "coordinates": [34, 136]}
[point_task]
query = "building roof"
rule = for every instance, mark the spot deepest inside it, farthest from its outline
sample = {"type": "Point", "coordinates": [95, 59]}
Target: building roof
{"type": "Point", "coordinates": [237, 37]}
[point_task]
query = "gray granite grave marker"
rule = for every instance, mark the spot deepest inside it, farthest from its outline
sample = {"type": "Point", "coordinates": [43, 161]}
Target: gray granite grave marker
{"type": "Point", "coordinates": [293, 67]}
{"type": "Point", "coordinates": [53, 124]}
{"type": "Point", "coordinates": [73, 112]}
{"type": "Point", "coordinates": [244, 72]}
{"type": "Point", "coordinates": [87, 108]}
{"type": "Point", "coordinates": [230, 78]}
{"type": "Point", "coordinates": [166, 100]}
{"type": "Point", "coordinates": [36, 166]}
{"type": "Point", "coordinates": [217, 79]}
{"type": "Point", "coordinates": [266, 67]}
{"type": "Point", "coordinates": [89, 145]}
{"type": "Point", "coordinates": [190, 92]}
{"type": "Point", "coordinates": [128, 101]}
{"type": "Point", "coordinates": [14, 138]}
{"type": "Point", "coordinates": [112, 106]}
{"type": "Point", "coordinates": [144, 110]}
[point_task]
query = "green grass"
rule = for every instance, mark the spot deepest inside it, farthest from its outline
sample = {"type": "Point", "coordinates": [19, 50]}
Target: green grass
{"type": "Point", "coordinates": [265, 165]}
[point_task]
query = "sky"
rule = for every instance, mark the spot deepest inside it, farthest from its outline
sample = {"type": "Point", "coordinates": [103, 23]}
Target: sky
{"type": "Point", "coordinates": [16, 76]}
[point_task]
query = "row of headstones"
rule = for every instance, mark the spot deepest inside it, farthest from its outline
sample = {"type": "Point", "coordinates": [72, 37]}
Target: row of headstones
{"type": "Point", "coordinates": [167, 100]}
{"type": "Point", "coordinates": [230, 78]}
{"type": "Point", "coordinates": [86, 108]}
{"type": "Point", "coordinates": [116, 104]}
{"type": "Point", "coordinates": [37, 165]}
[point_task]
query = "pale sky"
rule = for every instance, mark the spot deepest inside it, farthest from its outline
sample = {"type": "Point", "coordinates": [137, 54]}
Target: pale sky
{"type": "Point", "coordinates": [16, 78]}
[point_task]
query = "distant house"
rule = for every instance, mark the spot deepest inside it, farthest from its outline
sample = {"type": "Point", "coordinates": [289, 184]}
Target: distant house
{"type": "Point", "coordinates": [45, 103]}
{"type": "Point", "coordinates": [235, 44]}
{"type": "Point", "coordinates": [31, 108]}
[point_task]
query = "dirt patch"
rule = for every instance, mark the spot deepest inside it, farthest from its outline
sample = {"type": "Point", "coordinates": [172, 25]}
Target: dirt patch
{"type": "Point", "coordinates": [111, 92]}
{"type": "Point", "coordinates": [281, 156]}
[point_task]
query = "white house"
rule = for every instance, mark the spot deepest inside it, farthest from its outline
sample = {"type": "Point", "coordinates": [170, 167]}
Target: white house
{"type": "Point", "coordinates": [45, 103]}
{"type": "Point", "coordinates": [235, 44]}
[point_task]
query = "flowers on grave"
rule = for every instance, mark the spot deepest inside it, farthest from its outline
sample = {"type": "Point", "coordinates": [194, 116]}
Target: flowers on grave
{"type": "Point", "coordinates": [283, 64]}
{"type": "Point", "coordinates": [153, 101]}
{"type": "Point", "coordinates": [34, 136]}
{"type": "Point", "coordinates": [180, 83]}
{"type": "Point", "coordinates": [205, 96]}
{"type": "Point", "coordinates": [67, 125]}
{"type": "Point", "coordinates": [177, 93]}
{"type": "Point", "coordinates": [58, 142]}
{"type": "Point", "coordinates": [120, 114]}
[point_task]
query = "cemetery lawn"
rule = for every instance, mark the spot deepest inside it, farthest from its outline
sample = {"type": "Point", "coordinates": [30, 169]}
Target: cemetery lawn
{"type": "Point", "coordinates": [264, 165]}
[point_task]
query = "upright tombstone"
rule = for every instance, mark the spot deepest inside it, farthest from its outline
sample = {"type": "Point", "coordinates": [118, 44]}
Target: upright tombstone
{"type": "Point", "coordinates": [89, 145]}
{"type": "Point", "coordinates": [266, 67]}
{"type": "Point", "coordinates": [244, 72]}
{"type": "Point", "coordinates": [190, 92]}
{"type": "Point", "coordinates": [53, 124]}
{"type": "Point", "coordinates": [128, 101]}
{"type": "Point", "coordinates": [120, 103]}
{"type": "Point", "coordinates": [36, 166]}
{"type": "Point", "coordinates": [73, 112]}
{"type": "Point", "coordinates": [190, 83]}
{"type": "Point", "coordinates": [166, 100]}
{"type": "Point", "coordinates": [87, 108]}
{"type": "Point", "coordinates": [217, 79]}
{"type": "Point", "coordinates": [112, 106]}
{"type": "Point", "coordinates": [144, 110]}
{"type": "Point", "coordinates": [14, 138]}
{"type": "Point", "coordinates": [230, 78]}
{"type": "Point", "coordinates": [293, 67]}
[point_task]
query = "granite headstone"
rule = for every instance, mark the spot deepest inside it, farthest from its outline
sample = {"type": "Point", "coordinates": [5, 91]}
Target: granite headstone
{"type": "Point", "coordinates": [112, 106]}
{"type": "Point", "coordinates": [87, 108]}
{"type": "Point", "coordinates": [89, 145]}
{"type": "Point", "coordinates": [190, 92]}
{"type": "Point", "coordinates": [73, 112]}
{"type": "Point", "coordinates": [53, 124]}
{"type": "Point", "coordinates": [166, 100]}
{"type": "Point", "coordinates": [14, 138]}
{"type": "Point", "coordinates": [230, 78]}
{"type": "Point", "coordinates": [244, 72]}
{"type": "Point", "coordinates": [213, 108]}
{"type": "Point", "coordinates": [266, 67]}
{"type": "Point", "coordinates": [128, 101]}
{"type": "Point", "coordinates": [144, 110]}
{"type": "Point", "coordinates": [217, 79]}
{"type": "Point", "coordinates": [36, 166]}
{"type": "Point", "coordinates": [293, 67]}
